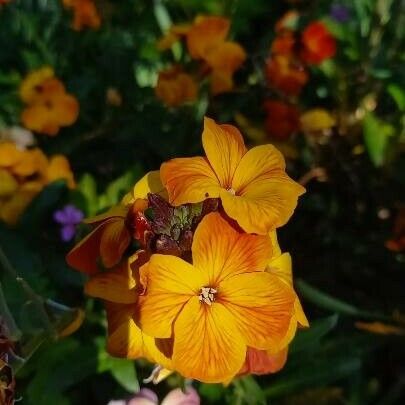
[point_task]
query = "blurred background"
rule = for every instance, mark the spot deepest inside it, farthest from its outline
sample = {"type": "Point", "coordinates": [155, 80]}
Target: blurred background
{"type": "Point", "coordinates": [93, 94]}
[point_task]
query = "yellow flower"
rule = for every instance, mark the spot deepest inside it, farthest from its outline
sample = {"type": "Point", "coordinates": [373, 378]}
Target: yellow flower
{"type": "Point", "coordinates": [49, 107]}
{"type": "Point", "coordinates": [174, 87]}
{"type": "Point", "coordinates": [8, 184]}
{"type": "Point", "coordinates": [10, 155]}
{"type": "Point", "coordinates": [30, 86]}
{"type": "Point", "coordinates": [59, 169]}
{"type": "Point", "coordinates": [253, 186]}
{"type": "Point", "coordinates": [12, 208]}
{"type": "Point", "coordinates": [33, 162]}
{"type": "Point", "coordinates": [316, 120]}
{"type": "Point", "coordinates": [220, 305]}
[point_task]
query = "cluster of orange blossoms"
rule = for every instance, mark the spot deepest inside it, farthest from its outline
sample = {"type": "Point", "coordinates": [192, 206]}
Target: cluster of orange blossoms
{"type": "Point", "coordinates": [23, 174]}
{"type": "Point", "coordinates": [286, 69]}
{"type": "Point", "coordinates": [206, 43]}
{"type": "Point", "coordinates": [85, 14]}
{"type": "Point", "coordinates": [48, 106]}
{"type": "Point", "coordinates": [189, 267]}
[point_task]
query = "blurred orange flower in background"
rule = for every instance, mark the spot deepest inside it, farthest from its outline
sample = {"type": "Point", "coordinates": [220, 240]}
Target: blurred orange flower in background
{"type": "Point", "coordinates": [85, 14]}
{"type": "Point", "coordinates": [318, 43]}
{"type": "Point", "coordinates": [49, 107]}
{"type": "Point", "coordinates": [206, 42]}
{"type": "Point", "coordinates": [174, 87]}
{"type": "Point", "coordinates": [23, 174]}
{"type": "Point", "coordinates": [282, 119]}
{"type": "Point", "coordinates": [286, 74]}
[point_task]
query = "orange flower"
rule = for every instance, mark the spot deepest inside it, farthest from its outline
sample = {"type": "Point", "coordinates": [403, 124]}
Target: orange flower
{"type": "Point", "coordinates": [205, 34]}
{"type": "Point", "coordinates": [252, 185]}
{"type": "Point", "coordinates": [318, 43]}
{"type": "Point", "coordinates": [206, 41]}
{"type": "Point", "coordinates": [285, 74]}
{"type": "Point", "coordinates": [85, 14]}
{"type": "Point", "coordinates": [174, 87]}
{"type": "Point", "coordinates": [10, 155]}
{"type": "Point", "coordinates": [49, 106]}
{"type": "Point", "coordinates": [113, 230]}
{"type": "Point", "coordinates": [282, 119]}
{"type": "Point", "coordinates": [380, 328]}
{"type": "Point", "coordinates": [219, 306]}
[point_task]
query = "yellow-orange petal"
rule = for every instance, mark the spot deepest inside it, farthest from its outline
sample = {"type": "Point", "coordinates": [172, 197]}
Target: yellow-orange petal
{"type": "Point", "coordinates": [83, 257]}
{"type": "Point", "coordinates": [126, 339]}
{"type": "Point", "coordinates": [226, 57]}
{"type": "Point", "coordinates": [260, 362]}
{"type": "Point", "coordinates": [281, 266]}
{"type": "Point", "coordinates": [114, 241]}
{"type": "Point", "coordinates": [65, 109]}
{"type": "Point", "coordinates": [265, 196]}
{"type": "Point", "coordinates": [116, 286]}
{"type": "Point", "coordinates": [35, 78]}
{"type": "Point", "coordinates": [170, 283]}
{"type": "Point", "coordinates": [59, 169]}
{"type": "Point", "coordinates": [34, 161]}
{"type": "Point", "coordinates": [8, 184]}
{"type": "Point", "coordinates": [206, 32]}
{"type": "Point", "coordinates": [224, 147]}
{"type": "Point", "coordinates": [208, 346]}
{"type": "Point", "coordinates": [10, 155]}
{"type": "Point", "coordinates": [220, 251]}
{"type": "Point", "coordinates": [189, 180]}
{"type": "Point", "coordinates": [149, 183]}
{"type": "Point", "coordinates": [262, 306]}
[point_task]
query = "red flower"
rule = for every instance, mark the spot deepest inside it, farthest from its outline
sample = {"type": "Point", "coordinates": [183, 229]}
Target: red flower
{"type": "Point", "coordinates": [318, 43]}
{"type": "Point", "coordinates": [282, 119]}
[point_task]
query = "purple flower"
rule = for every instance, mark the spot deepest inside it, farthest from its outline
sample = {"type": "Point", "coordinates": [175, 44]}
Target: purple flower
{"type": "Point", "coordinates": [68, 217]}
{"type": "Point", "coordinates": [339, 12]}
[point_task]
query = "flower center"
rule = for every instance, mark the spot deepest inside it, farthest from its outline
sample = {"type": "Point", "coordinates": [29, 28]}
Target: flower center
{"type": "Point", "coordinates": [207, 295]}
{"type": "Point", "coordinates": [231, 190]}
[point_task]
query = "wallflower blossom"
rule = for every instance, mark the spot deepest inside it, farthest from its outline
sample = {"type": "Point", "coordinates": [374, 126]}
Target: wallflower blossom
{"type": "Point", "coordinates": [175, 87]}
{"type": "Point", "coordinates": [225, 300]}
{"type": "Point", "coordinates": [316, 120]}
{"type": "Point", "coordinates": [206, 42]}
{"type": "Point", "coordinates": [85, 14]}
{"type": "Point", "coordinates": [24, 173]}
{"type": "Point", "coordinates": [68, 217]}
{"type": "Point", "coordinates": [252, 185]}
{"type": "Point", "coordinates": [49, 106]}
{"type": "Point", "coordinates": [282, 119]}
{"type": "Point", "coordinates": [286, 74]}
{"type": "Point", "coordinates": [318, 43]}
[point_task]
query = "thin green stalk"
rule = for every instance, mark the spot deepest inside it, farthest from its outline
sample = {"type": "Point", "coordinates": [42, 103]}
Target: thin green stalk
{"type": "Point", "coordinates": [326, 301]}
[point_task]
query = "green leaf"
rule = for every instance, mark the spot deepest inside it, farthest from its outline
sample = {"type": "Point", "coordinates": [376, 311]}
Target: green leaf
{"type": "Point", "coordinates": [376, 133]}
{"type": "Point", "coordinates": [306, 338]}
{"type": "Point", "coordinates": [124, 373]}
{"type": "Point", "coordinates": [328, 371]}
{"type": "Point", "coordinates": [88, 187]}
{"type": "Point", "coordinates": [248, 391]}
{"type": "Point", "coordinates": [398, 94]}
